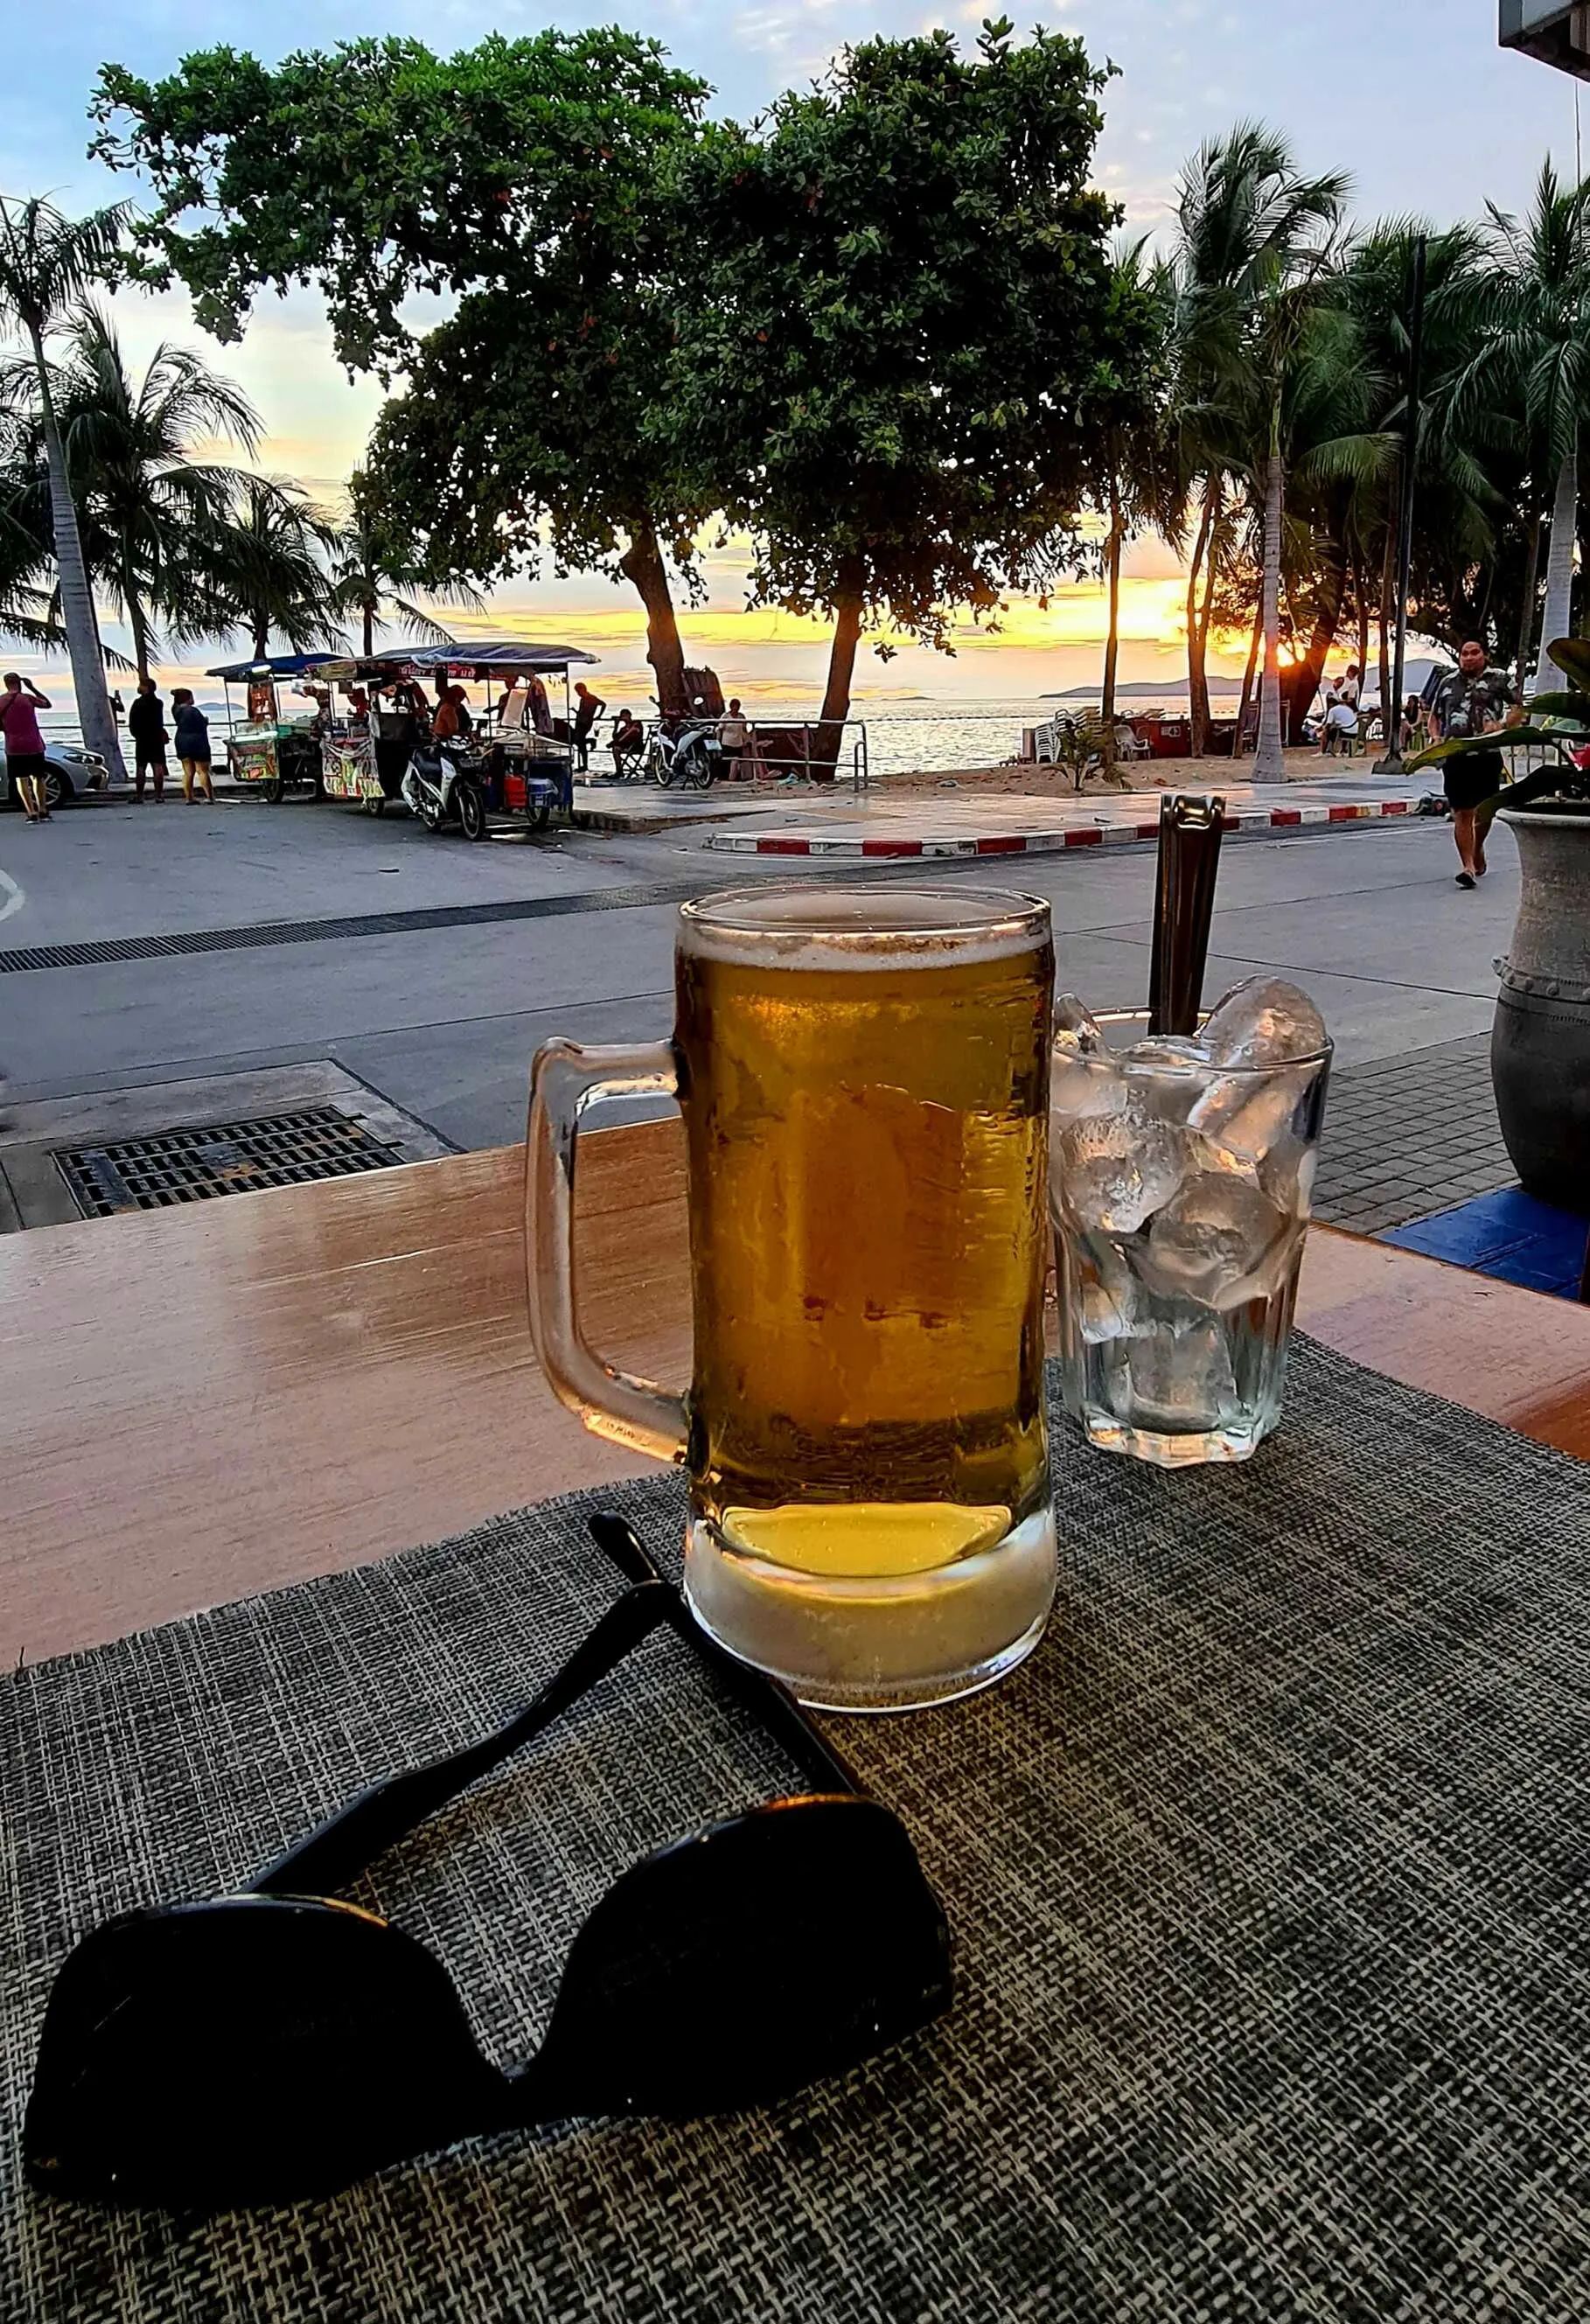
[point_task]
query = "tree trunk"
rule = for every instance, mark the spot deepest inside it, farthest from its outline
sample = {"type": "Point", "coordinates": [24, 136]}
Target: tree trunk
{"type": "Point", "coordinates": [642, 563]}
{"type": "Point", "coordinates": [848, 606]}
{"type": "Point", "coordinates": [1270, 757]}
{"type": "Point", "coordinates": [1391, 713]}
{"type": "Point", "coordinates": [1559, 568]}
{"type": "Point", "coordinates": [1359, 592]}
{"type": "Point", "coordinates": [261, 637]}
{"type": "Point", "coordinates": [1198, 690]}
{"type": "Point", "coordinates": [369, 610]}
{"type": "Point", "coordinates": [1112, 644]}
{"type": "Point", "coordinates": [1254, 643]}
{"type": "Point", "coordinates": [1194, 665]}
{"type": "Point", "coordinates": [1526, 619]}
{"type": "Point", "coordinates": [76, 598]}
{"type": "Point", "coordinates": [139, 626]}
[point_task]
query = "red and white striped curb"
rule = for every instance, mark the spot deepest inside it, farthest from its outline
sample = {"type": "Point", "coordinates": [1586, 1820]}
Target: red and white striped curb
{"type": "Point", "coordinates": [1048, 842]}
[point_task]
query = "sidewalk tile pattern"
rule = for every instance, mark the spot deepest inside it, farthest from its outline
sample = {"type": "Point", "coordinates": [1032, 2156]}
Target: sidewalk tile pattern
{"type": "Point", "coordinates": [1410, 1135]}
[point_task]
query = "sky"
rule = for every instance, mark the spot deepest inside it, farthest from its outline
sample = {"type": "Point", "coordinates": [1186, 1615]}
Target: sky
{"type": "Point", "coordinates": [1412, 96]}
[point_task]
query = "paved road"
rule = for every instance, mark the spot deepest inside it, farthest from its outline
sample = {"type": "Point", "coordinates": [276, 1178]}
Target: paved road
{"type": "Point", "coordinates": [442, 1019]}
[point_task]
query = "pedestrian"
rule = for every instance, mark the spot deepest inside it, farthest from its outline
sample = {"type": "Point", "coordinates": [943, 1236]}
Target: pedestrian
{"type": "Point", "coordinates": [735, 733]}
{"type": "Point", "coordinates": [589, 708]}
{"type": "Point", "coordinates": [628, 740]}
{"type": "Point", "coordinates": [1472, 700]}
{"type": "Point", "coordinates": [117, 711]}
{"type": "Point", "coordinates": [20, 705]}
{"type": "Point", "coordinates": [146, 724]}
{"type": "Point", "coordinates": [1341, 711]}
{"type": "Point", "coordinates": [1411, 735]}
{"type": "Point", "coordinates": [193, 743]}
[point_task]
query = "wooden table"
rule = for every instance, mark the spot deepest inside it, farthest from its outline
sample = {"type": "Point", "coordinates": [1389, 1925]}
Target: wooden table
{"type": "Point", "coordinates": [200, 1403]}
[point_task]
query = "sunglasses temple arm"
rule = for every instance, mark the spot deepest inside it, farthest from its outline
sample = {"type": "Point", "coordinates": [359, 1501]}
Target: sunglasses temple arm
{"type": "Point", "coordinates": [771, 1704]}
{"type": "Point", "coordinates": [339, 1849]}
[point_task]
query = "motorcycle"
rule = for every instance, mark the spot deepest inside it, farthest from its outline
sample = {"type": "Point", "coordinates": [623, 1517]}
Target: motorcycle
{"type": "Point", "coordinates": [692, 757]}
{"type": "Point", "coordinates": [445, 783]}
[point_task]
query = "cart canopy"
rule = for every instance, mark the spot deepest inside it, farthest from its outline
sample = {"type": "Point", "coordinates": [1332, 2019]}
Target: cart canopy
{"type": "Point", "coordinates": [273, 666]}
{"type": "Point", "coordinates": [497, 656]}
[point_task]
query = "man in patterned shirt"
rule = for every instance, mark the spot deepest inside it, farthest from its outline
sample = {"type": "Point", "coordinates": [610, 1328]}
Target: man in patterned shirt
{"type": "Point", "coordinates": [1472, 701]}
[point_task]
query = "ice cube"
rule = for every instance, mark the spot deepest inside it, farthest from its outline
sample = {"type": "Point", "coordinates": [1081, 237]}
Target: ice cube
{"type": "Point", "coordinates": [1180, 1380]}
{"type": "Point", "coordinates": [1212, 1238]}
{"type": "Point", "coordinates": [1287, 1176]}
{"type": "Point", "coordinates": [1265, 1022]}
{"type": "Point", "coordinates": [1167, 1074]}
{"type": "Point", "coordinates": [1100, 1280]}
{"type": "Point", "coordinates": [1083, 1086]}
{"type": "Point", "coordinates": [1114, 1171]}
{"type": "Point", "coordinates": [1076, 1026]}
{"type": "Point", "coordinates": [1250, 1113]}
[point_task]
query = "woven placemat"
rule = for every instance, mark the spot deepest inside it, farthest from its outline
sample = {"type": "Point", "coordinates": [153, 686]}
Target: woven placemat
{"type": "Point", "coordinates": [1267, 1875]}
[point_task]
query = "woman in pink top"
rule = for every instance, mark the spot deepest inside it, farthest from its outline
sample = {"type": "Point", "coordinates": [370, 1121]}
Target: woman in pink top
{"type": "Point", "coordinates": [24, 745]}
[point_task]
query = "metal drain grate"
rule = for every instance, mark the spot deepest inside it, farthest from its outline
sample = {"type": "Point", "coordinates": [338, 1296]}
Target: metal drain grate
{"type": "Point", "coordinates": [220, 1157]}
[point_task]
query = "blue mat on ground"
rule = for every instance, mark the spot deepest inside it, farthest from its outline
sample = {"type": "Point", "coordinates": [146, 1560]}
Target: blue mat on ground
{"type": "Point", "coordinates": [1508, 1234]}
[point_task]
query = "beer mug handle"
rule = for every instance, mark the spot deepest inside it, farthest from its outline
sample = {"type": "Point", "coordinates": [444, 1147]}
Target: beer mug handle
{"type": "Point", "coordinates": [564, 1080]}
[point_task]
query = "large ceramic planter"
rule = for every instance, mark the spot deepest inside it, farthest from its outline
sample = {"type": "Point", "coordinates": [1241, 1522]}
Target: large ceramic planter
{"type": "Point", "coordinates": [1540, 1042]}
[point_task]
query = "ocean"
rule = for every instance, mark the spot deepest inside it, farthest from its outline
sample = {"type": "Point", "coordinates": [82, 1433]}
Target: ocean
{"type": "Point", "coordinates": [902, 737]}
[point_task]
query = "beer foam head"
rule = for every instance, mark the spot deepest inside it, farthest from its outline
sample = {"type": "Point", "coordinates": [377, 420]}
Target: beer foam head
{"type": "Point", "coordinates": [855, 928]}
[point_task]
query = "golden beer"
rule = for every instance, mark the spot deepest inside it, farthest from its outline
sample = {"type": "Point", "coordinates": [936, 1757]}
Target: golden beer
{"type": "Point", "coordinates": [864, 1078]}
{"type": "Point", "coordinates": [866, 1107]}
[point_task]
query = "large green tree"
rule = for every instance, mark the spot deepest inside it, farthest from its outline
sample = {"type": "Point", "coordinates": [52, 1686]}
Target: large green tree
{"type": "Point", "coordinates": [47, 263]}
{"type": "Point", "coordinates": [906, 333]}
{"type": "Point", "coordinates": [529, 182]}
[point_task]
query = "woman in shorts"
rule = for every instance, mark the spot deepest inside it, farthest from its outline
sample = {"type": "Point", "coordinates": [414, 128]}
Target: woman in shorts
{"type": "Point", "coordinates": [193, 743]}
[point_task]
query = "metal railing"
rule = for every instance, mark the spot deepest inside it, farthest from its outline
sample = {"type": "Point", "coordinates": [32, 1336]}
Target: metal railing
{"type": "Point", "coordinates": [776, 749]}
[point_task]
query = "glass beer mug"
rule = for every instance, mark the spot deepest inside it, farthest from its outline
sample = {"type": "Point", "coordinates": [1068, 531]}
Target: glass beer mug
{"type": "Point", "coordinates": [864, 1079]}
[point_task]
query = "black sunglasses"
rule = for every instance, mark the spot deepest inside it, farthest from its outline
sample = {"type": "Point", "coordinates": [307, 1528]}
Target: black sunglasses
{"type": "Point", "coordinates": [278, 2044]}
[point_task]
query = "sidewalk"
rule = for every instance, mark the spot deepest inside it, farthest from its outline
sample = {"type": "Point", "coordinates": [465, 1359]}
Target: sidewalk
{"type": "Point", "coordinates": [1015, 824]}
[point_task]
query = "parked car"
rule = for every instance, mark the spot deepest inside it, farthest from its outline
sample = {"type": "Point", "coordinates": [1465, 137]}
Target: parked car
{"type": "Point", "coordinates": [67, 772]}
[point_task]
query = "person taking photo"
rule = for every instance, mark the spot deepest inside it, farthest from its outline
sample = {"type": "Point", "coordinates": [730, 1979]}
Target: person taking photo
{"type": "Point", "coordinates": [20, 705]}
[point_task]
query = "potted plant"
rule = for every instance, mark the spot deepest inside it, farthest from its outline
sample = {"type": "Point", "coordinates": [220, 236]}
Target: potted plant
{"type": "Point", "coordinates": [1540, 1039]}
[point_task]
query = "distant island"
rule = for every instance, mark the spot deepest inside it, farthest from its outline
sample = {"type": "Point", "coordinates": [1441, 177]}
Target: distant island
{"type": "Point", "coordinates": [1144, 690]}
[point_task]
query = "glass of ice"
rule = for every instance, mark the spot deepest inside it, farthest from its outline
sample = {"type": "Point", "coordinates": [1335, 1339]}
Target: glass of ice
{"type": "Point", "coordinates": [1182, 1176]}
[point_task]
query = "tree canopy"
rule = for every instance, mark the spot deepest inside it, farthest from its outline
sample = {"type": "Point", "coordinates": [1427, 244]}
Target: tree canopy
{"type": "Point", "coordinates": [906, 336]}
{"type": "Point", "coordinates": [529, 180]}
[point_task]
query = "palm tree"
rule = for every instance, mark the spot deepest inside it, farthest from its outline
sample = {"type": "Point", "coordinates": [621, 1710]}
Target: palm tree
{"type": "Point", "coordinates": [1247, 225]}
{"type": "Point", "coordinates": [1320, 402]}
{"type": "Point", "coordinates": [371, 573]}
{"type": "Point", "coordinates": [47, 263]}
{"type": "Point", "coordinates": [1535, 351]}
{"type": "Point", "coordinates": [261, 569]}
{"type": "Point", "coordinates": [1135, 486]}
{"type": "Point", "coordinates": [148, 508]}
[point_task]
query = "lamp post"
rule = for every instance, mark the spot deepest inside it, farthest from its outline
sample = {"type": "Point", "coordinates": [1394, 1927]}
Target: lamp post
{"type": "Point", "coordinates": [1391, 764]}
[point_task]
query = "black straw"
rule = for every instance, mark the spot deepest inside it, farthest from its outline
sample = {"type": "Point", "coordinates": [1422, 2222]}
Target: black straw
{"type": "Point", "coordinates": [1183, 909]}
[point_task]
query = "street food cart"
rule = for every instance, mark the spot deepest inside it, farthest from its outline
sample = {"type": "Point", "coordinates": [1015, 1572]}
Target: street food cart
{"type": "Point", "coordinates": [275, 747]}
{"type": "Point", "coordinates": [375, 716]}
{"type": "Point", "coordinates": [525, 748]}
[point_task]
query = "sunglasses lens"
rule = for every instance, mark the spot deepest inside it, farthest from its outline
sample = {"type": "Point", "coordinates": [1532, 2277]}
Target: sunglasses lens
{"type": "Point", "coordinates": [252, 2051]}
{"type": "Point", "coordinates": [732, 1968]}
